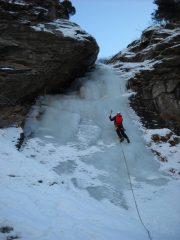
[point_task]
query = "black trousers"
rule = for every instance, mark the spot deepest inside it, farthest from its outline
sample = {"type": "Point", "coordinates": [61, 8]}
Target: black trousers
{"type": "Point", "coordinates": [120, 131]}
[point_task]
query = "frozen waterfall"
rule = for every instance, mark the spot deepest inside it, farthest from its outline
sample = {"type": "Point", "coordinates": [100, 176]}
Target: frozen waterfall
{"type": "Point", "coordinates": [85, 150]}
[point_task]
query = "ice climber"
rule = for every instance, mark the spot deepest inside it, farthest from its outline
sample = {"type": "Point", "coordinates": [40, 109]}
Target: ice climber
{"type": "Point", "coordinates": [118, 123]}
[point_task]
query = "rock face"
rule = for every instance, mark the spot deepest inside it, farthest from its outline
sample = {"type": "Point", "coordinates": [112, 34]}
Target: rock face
{"type": "Point", "coordinates": [40, 54]}
{"type": "Point", "coordinates": [158, 89]}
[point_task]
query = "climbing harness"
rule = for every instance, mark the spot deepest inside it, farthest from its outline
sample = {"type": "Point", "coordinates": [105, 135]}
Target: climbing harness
{"type": "Point", "coordinates": [130, 183]}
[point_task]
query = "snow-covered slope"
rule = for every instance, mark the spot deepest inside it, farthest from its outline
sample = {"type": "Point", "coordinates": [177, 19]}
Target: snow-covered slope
{"type": "Point", "coordinates": [37, 203]}
{"type": "Point", "coordinates": [69, 181]}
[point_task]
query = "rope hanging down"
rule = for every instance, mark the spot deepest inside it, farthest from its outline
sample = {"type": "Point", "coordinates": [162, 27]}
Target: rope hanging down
{"type": "Point", "coordinates": [150, 238]}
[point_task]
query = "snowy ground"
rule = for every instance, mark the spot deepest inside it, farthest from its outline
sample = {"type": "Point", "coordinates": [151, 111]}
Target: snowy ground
{"type": "Point", "coordinates": [70, 181]}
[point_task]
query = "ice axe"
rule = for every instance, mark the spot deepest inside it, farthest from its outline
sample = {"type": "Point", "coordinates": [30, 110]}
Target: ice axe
{"type": "Point", "coordinates": [111, 111]}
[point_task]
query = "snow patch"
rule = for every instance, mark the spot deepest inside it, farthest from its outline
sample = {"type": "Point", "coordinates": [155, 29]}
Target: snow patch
{"type": "Point", "coordinates": [18, 2]}
{"type": "Point", "coordinates": [165, 150]}
{"type": "Point", "coordinates": [65, 27]}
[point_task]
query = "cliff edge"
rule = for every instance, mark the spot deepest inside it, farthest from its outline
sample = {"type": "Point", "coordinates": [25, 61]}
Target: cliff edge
{"type": "Point", "coordinates": [42, 52]}
{"type": "Point", "coordinates": [157, 98]}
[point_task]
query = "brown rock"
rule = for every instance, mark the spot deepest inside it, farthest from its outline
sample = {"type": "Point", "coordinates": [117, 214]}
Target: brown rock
{"type": "Point", "coordinates": [37, 55]}
{"type": "Point", "coordinates": [157, 100]}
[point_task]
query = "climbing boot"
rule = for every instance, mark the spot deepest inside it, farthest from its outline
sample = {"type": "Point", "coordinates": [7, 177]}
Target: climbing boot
{"type": "Point", "coordinates": [122, 139]}
{"type": "Point", "coordinates": [128, 140]}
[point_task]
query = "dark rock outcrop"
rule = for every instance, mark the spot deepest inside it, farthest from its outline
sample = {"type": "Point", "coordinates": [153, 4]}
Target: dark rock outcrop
{"type": "Point", "coordinates": [40, 54]}
{"type": "Point", "coordinates": [167, 10]}
{"type": "Point", "coordinates": [31, 11]}
{"type": "Point", "coordinates": [158, 89]}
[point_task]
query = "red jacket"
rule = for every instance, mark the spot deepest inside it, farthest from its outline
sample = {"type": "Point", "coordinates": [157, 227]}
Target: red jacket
{"type": "Point", "coordinates": [117, 119]}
